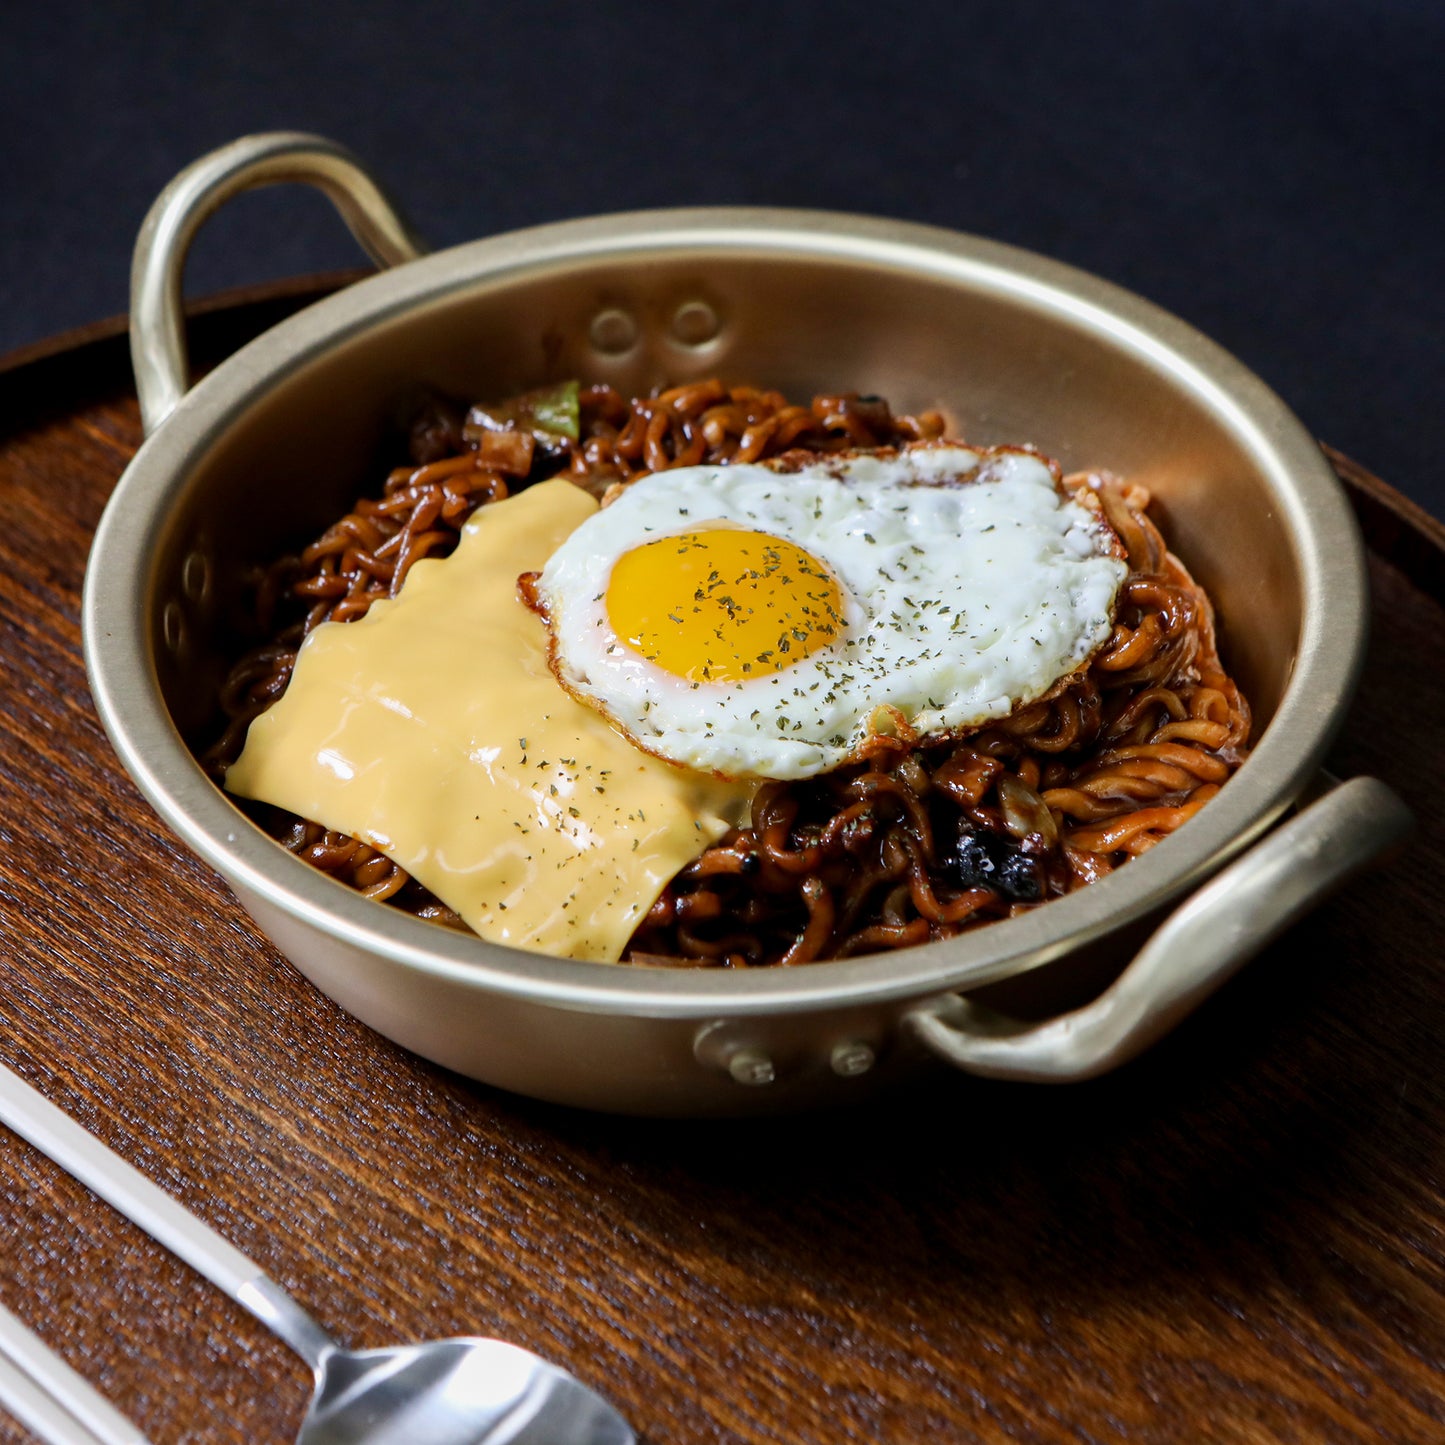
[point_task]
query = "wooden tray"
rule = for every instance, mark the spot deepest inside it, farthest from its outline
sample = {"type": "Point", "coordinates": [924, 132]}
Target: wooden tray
{"type": "Point", "coordinates": [1238, 1238]}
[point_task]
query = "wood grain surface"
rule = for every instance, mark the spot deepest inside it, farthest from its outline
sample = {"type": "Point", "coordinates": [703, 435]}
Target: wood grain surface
{"type": "Point", "coordinates": [1240, 1237]}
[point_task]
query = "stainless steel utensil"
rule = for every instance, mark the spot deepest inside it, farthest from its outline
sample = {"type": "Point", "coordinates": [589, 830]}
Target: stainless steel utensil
{"type": "Point", "coordinates": [445, 1392]}
{"type": "Point", "coordinates": [41, 1391]}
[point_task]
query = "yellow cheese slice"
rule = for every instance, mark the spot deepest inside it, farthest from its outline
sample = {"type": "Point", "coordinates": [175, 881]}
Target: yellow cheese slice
{"type": "Point", "coordinates": [433, 730]}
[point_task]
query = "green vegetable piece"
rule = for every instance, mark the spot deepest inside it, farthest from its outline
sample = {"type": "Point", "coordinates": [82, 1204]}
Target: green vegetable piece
{"type": "Point", "coordinates": [550, 413]}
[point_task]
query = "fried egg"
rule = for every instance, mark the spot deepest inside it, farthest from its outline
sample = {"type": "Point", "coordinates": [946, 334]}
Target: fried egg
{"type": "Point", "coordinates": [766, 620]}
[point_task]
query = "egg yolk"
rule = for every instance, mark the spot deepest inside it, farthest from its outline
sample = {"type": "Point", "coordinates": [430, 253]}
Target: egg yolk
{"type": "Point", "coordinates": [723, 604]}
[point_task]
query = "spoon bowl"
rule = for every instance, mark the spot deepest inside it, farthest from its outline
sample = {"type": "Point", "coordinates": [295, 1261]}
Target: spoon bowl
{"type": "Point", "coordinates": [453, 1392]}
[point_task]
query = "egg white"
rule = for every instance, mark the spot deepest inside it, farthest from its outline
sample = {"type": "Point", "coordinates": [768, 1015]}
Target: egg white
{"type": "Point", "coordinates": [974, 584]}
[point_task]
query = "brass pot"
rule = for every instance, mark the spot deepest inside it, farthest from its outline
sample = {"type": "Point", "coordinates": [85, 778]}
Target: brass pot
{"type": "Point", "coordinates": [276, 442]}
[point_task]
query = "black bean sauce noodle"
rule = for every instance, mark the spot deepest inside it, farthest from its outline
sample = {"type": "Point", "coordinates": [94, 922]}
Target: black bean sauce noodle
{"type": "Point", "coordinates": [919, 839]}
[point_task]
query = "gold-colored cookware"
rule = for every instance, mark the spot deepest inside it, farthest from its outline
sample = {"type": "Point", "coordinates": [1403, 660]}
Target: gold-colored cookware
{"type": "Point", "coordinates": [273, 445]}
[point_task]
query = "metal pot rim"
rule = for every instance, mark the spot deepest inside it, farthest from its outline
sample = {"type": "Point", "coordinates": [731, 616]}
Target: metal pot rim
{"type": "Point", "coordinates": [1330, 650]}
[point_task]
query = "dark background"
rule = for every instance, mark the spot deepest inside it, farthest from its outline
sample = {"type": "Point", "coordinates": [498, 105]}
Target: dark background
{"type": "Point", "coordinates": [1271, 170]}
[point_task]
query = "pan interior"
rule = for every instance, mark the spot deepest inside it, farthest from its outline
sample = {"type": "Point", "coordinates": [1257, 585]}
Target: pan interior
{"type": "Point", "coordinates": [279, 441]}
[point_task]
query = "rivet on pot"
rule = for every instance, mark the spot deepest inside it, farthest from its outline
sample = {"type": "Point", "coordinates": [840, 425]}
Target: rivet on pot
{"type": "Point", "coordinates": [173, 627]}
{"type": "Point", "coordinates": [752, 1066]}
{"type": "Point", "coordinates": [851, 1058]}
{"type": "Point", "coordinates": [695, 323]}
{"type": "Point", "coordinates": [195, 576]}
{"type": "Point", "coordinates": [613, 331]}
{"type": "Point", "coordinates": [723, 1044]}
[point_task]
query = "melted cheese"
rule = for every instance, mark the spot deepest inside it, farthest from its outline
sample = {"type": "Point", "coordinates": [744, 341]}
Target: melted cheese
{"type": "Point", "coordinates": [434, 730]}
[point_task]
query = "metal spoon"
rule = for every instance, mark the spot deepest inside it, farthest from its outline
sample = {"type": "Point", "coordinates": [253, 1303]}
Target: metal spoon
{"type": "Point", "coordinates": [448, 1392]}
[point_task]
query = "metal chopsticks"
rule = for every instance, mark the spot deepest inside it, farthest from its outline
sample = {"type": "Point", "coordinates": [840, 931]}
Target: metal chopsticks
{"type": "Point", "coordinates": [47, 1396]}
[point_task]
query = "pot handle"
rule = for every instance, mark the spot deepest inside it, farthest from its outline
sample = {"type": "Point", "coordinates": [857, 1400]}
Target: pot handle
{"type": "Point", "coordinates": [157, 317]}
{"type": "Point", "coordinates": [1195, 950]}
